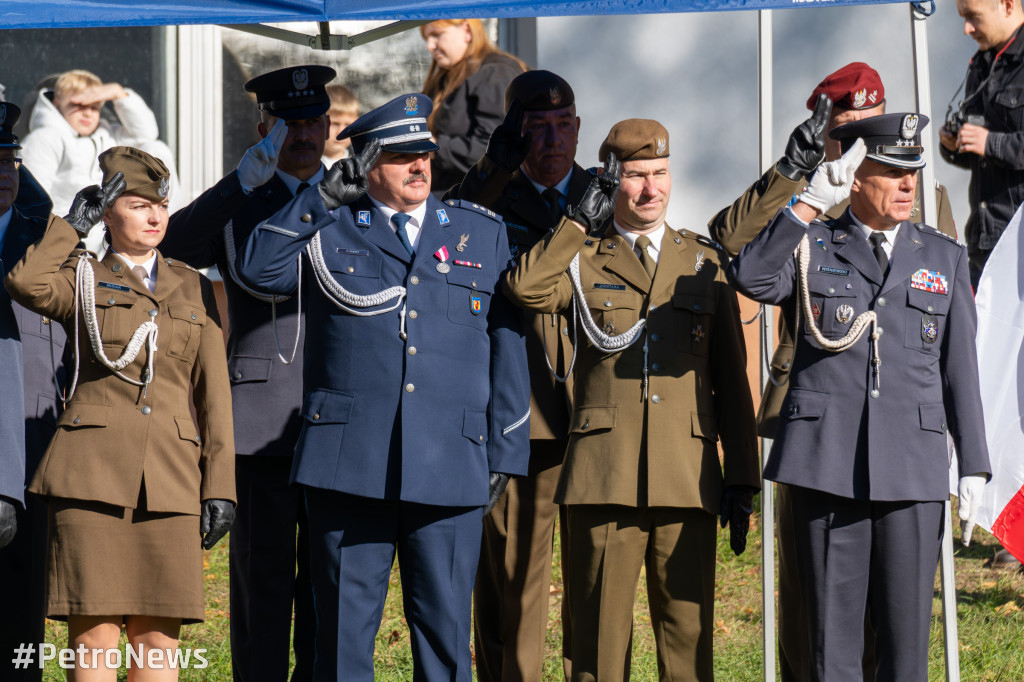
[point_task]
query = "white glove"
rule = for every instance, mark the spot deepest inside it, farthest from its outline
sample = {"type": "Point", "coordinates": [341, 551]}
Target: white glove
{"type": "Point", "coordinates": [260, 160]}
{"type": "Point", "coordinates": [830, 185]}
{"type": "Point", "coordinates": [969, 491]}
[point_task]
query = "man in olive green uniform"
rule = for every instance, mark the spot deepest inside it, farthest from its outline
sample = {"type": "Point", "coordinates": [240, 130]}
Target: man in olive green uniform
{"type": "Point", "coordinates": [660, 377]}
{"type": "Point", "coordinates": [528, 176]}
{"type": "Point", "coordinates": [855, 92]}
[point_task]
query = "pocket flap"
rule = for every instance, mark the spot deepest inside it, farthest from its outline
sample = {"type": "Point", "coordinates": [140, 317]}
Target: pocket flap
{"type": "Point", "coordinates": [832, 285]}
{"type": "Point", "coordinates": [933, 417]}
{"type": "Point", "coordinates": [243, 369]}
{"type": "Point", "coordinates": [928, 302]}
{"type": "Point", "coordinates": [187, 429]}
{"type": "Point", "coordinates": [704, 425]}
{"type": "Point", "coordinates": [601, 299]}
{"type": "Point", "coordinates": [802, 403]}
{"type": "Point", "coordinates": [1010, 97]}
{"type": "Point", "coordinates": [189, 313]}
{"type": "Point", "coordinates": [593, 418]}
{"type": "Point", "coordinates": [84, 414]}
{"type": "Point", "coordinates": [355, 262]}
{"type": "Point", "coordinates": [474, 426]}
{"type": "Point", "coordinates": [106, 298]}
{"type": "Point", "coordinates": [782, 359]}
{"type": "Point", "coordinates": [699, 305]}
{"type": "Point", "coordinates": [471, 278]}
{"type": "Point", "coordinates": [327, 407]}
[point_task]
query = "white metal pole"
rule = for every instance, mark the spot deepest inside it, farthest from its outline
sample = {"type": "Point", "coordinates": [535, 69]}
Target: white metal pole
{"type": "Point", "coordinates": [765, 158]}
{"type": "Point", "coordinates": [922, 92]}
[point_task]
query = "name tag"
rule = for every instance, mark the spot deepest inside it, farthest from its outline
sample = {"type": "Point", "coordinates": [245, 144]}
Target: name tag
{"type": "Point", "coordinates": [612, 287]}
{"type": "Point", "coordinates": [354, 252]}
{"type": "Point", "coordinates": [833, 271]}
{"type": "Point", "coordinates": [115, 287]}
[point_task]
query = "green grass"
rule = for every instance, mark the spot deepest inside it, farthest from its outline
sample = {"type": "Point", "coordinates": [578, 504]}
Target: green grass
{"type": "Point", "coordinates": [990, 616]}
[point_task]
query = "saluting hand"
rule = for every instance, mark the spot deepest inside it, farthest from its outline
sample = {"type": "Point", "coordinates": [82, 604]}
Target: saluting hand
{"type": "Point", "coordinates": [509, 145]}
{"type": "Point", "coordinates": [598, 202]}
{"type": "Point", "coordinates": [346, 180]}
{"type": "Point", "coordinates": [259, 162]}
{"type": "Point", "coordinates": [92, 202]}
{"type": "Point", "coordinates": [8, 522]}
{"type": "Point", "coordinates": [735, 510]}
{"type": "Point", "coordinates": [806, 146]}
{"type": "Point", "coordinates": [831, 183]}
{"type": "Point", "coordinates": [215, 521]}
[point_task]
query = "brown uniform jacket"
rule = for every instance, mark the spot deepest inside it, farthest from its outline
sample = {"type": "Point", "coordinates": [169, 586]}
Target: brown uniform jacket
{"type": "Point", "coordinates": [111, 440]}
{"type": "Point", "coordinates": [660, 450]}
{"type": "Point", "coordinates": [548, 341]}
{"type": "Point", "coordinates": [736, 225]}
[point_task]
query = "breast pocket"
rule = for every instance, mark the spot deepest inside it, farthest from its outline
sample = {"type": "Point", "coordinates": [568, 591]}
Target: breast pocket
{"type": "Point", "coordinates": [696, 323]}
{"type": "Point", "coordinates": [469, 297]}
{"type": "Point", "coordinates": [833, 304]}
{"type": "Point", "coordinates": [613, 311]}
{"type": "Point", "coordinates": [114, 315]}
{"type": "Point", "coordinates": [1010, 105]}
{"type": "Point", "coordinates": [187, 322]}
{"type": "Point", "coordinates": [926, 320]}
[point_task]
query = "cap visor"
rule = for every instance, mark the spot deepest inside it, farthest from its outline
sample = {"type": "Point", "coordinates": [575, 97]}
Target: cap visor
{"type": "Point", "coordinates": [9, 145]}
{"type": "Point", "coordinates": [414, 147]}
{"type": "Point", "coordinates": [897, 162]}
{"type": "Point", "coordinates": [298, 113]}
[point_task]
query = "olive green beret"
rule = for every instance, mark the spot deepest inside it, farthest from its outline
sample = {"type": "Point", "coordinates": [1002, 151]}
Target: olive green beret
{"type": "Point", "coordinates": [635, 138]}
{"type": "Point", "coordinates": [144, 175]}
{"type": "Point", "coordinates": [539, 90]}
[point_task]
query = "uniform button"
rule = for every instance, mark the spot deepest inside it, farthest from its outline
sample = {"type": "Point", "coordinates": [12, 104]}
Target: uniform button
{"type": "Point", "coordinates": [677, 240]}
{"type": "Point", "coordinates": [874, 393]}
{"type": "Point", "coordinates": [480, 438]}
{"type": "Point", "coordinates": [316, 416]}
{"type": "Point", "coordinates": [146, 409]}
{"type": "Point", "coordinates": [655, 398]}
{"type": "Point", "coordinates": [984, 204]}
{"type": "Point", "coordinates": [880, 331]}
{"type": "Point", "coordinates": [696, 306]}
{"type": "Point", "coordinates": [785, 365]}
{"type": "Point", "coordinates": [412, 350]}
{"type": "Point", "coordinates": [881, 301]}
{"type": "Point", "coordinates": [414, 280]}
{"type": "Point", "coordinates": [943, 427]}
{"type": "Point", "coordinates": [409, 388]}
{"type": "Point", "coordinates": [153, 312]}
{"type": "Point", "coordinates": [111, 301]}
{"type": "Point", "coordinates": [656, 367]}
{"type": "Point", "coordinates": [116, 267]}
{"type": "Point", "coordinates": [306, 218]}
{"type": "Point", "coordinates": [238, 374]}
{"type": "Point", "coordinates": [793, 409]}
{"type": "Point", "coordinates": [931, 309]}
{"type": "Point", "coordinates": [849, 286]}
{"type": "Point", "coordinates": [193, 316]}
{"type": "Point", "coordinates": [474, 285]}
{"type": "Point", "coordinates": [831, 290]}
{"type": "Point", "coordinates": [46, 320]}
{"type": "Point", "coordinates": [607, 304]}
{"type": "Point", "coordinates": [76, 420]}
{"type": "Point", "coordinates": [652, 308]}
{"type": "Point", "coordinates": [565, 331]}
{"type": "Point", "coordinates": [413, 314]}
{"type": "Point", "coordinates": [350, 269]}
{"type": "Point", "coordinates": [655, 337]}
{"type": "Point", "coordinates": [224, 193]}
{"type": "Point", "coordinates": [586, 425]}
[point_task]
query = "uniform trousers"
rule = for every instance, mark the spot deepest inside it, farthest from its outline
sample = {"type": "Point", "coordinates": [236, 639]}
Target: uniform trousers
{"type": "Point", "coordinates": [269, 573]}
{"type": "Point", "coordinates": [513, 582]}
{"type": "Point", "coordinates": [609, 544]}
{"type": "Point", "coordinates": [860, 554]}
{"type": "Point", "coordinates": [353, 543]}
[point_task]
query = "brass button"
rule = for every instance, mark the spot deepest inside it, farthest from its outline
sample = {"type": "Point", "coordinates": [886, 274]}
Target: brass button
{"type": "Point", "coordinates": [46, 320]}
{"type": "Point", "coordinates": [306, 218]}
{"type": "Point", "coordinates": [655, 398]}
{"type": "Point", "coordinates": [412, 350]}
{"type": "Point", "coordinates": [409, 388]}
{"type": "Point", "coordinates": [413, 314]}
{"type": "Point", "coordinates": [316, 416]}
{"type": "Point", "coordinates": [481, 438]}
{"type": "Point", "coordinates": [146, 409]}
{"type": "Point", "coordinates": [350, 269]}
{"type": "Point", "coordinates": [414, 280]}
{"type": "Point", "coordinates": [111, 301]}
{"type": "Point", "coordinates": [76, 420]}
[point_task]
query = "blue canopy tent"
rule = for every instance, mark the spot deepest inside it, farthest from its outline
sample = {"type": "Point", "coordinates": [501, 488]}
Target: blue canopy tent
{"type": "Point", "coordinates": [250, 15]}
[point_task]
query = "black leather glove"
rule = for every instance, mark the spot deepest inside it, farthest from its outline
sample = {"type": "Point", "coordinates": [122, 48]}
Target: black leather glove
{"type": "Point", "coordinates": [91, 203]}
{"type": "Point", "coordinates": [8, 522]}
{"type": "Point", "coordinates": [508, 145]}
{"type": "Point", "coordinates": [346, 180]}
{"type": "Point", "coordinates": [737, 501]}
{"type": "Point", "coordinates": [806, 146]}
{"type": "Point", "coordinates": [215, 521]}
{"type": "Point", "coordinates": [598, 202]}
{"type": "Point", "coordinates": [497, 486]}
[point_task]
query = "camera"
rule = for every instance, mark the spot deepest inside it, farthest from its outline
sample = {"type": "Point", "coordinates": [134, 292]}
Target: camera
{"type": "Point", "coordinates": [956, 119]}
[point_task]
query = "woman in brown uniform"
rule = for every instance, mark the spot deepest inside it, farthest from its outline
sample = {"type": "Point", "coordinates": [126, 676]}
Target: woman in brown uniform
{"type": "Point", "coordinates": [135, 487]}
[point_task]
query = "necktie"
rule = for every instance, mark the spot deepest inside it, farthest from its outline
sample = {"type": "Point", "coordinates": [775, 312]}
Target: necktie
{"type": "Point", "coordinates": [400, 219]}
{"type": "Point", "coordinates": [642, 242]}
{"type": "Point", "coordinates": [877, 239]}
{"type": "Point", "coordinates": [141, 273]}
{"type": "Point", "coordinates": [303, 186]}
{"type": "Point", "coordinates": [553, 198]}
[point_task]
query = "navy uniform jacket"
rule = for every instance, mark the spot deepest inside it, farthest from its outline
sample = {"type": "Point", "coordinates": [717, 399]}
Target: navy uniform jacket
{"type": "Point", "coordinates": [27, 359]}
{"type": "Point", "coordinates": [423, 419]}
{"type": "Point", "coordinates": [833, 434]}
{"type": "Point", "coordinates": [265, 393]}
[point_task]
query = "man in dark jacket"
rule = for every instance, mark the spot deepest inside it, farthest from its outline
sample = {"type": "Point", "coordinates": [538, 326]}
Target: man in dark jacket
{"type": "Point", "coordinates": [986, 134]}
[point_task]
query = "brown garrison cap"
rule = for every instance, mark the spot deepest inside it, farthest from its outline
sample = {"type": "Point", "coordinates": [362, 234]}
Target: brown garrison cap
{"type": "Point", "coordinates": [539, 91]}
{"type": "Point", "coordinates": [144, 175]}
{"type": "Point", "coordinates": [635, 138]}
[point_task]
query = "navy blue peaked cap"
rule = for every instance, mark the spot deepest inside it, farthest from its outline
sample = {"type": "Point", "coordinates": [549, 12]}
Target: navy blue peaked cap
{"type": "Point", "coordinates": [400, 126]}
{"type": "Point", "coordinates": [293, 93]}
{"type": "Point", "coordinates": [9, 115]}
{"type": "Point", "coordinates": [891, 139]}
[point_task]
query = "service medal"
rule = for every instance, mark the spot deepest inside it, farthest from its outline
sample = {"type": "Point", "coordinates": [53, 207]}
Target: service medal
{"type": "Point", "coordinates": [929, 328]}
{"type": "Point", "coordinates": [697, 333]}
{"type": "Point", "coordinates": [844, 314]}
{"type": "Point", "coordinates": [443, 268]}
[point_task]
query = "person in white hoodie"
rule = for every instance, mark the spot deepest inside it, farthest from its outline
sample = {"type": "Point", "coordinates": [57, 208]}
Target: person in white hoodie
{"type": "Point", "coordinates": [67, 135]}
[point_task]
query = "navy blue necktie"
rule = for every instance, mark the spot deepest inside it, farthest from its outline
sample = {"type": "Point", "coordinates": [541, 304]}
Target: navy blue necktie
{"type": "Point", "coordinates": [877, 239]}
{"type": "Point", "coordinates": [400, 219]}
{"type": "Point", "coordinates": [303, 186]}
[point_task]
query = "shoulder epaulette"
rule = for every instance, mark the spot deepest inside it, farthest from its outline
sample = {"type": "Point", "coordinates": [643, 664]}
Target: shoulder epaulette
{"type": "Point", "coordinates": [700, 239]}
{"type": "Point", "coordinates": [181, 264]}
{"type": "Point", "coordinates": [462, 203]}
{"type": "Point", "coordinates": [928, 229]}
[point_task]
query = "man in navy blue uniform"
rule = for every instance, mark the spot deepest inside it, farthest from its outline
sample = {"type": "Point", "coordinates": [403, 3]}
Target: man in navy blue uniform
{"type": "Point", "coordinates": [416, 389]}
{"type": "Point", "coordinates": [30, 351]}
{"type": "Point", "coordinates": [268, 552]}
{"type": "Point", "coordinates": [885, 362]}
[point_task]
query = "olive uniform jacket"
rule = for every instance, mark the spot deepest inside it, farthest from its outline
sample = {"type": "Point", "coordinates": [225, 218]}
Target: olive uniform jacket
{"type": "Point", "coordinates": [662, 450]}
{"type": "Point", "coordinates": [112, 439]}
{"type": "Point", "coordinates": [548, 337]}
{"type": "Point", "coordinates": [736, 225]}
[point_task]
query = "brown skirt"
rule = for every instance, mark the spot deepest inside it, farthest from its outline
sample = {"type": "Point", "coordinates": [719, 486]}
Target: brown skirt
{"type": "Point", "coordinates": [104, 560]}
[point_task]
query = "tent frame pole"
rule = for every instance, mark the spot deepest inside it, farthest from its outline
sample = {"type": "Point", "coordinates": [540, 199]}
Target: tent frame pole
{"type": "Point", "coordinates": [325, 40]}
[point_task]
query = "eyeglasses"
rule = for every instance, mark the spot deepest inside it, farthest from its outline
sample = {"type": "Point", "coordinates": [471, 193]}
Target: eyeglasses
{"type": "Point", "coordinates": [10, 164]}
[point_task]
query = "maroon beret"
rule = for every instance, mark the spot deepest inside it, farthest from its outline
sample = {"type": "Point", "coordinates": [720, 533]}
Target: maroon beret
{"type": "Point", "coordinates": [855, 86]}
